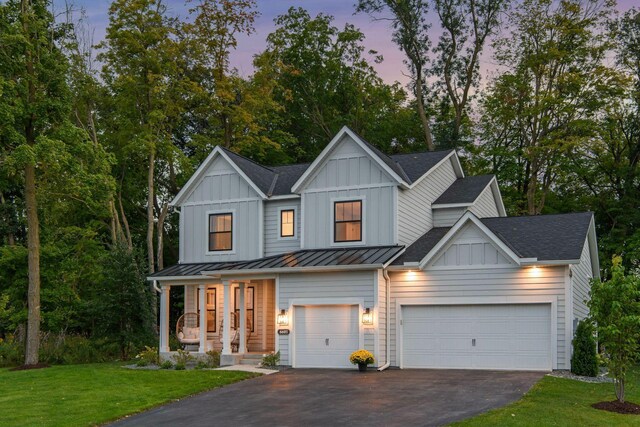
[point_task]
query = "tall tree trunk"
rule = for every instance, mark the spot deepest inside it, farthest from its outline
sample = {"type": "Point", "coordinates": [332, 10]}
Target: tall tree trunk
{"type": "Point", "coordinates": [33, 224]}
{"type": "Point", "coordinates": [164, 210]}
{"type": "Point", "coordinates": [150, 215]}
{"type": "Point", "coordinates": [421, 111]}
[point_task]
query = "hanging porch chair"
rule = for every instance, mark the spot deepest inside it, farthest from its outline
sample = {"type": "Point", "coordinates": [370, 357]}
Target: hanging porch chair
{"type": "Point", "coordinates": [235, 331]}
{"type": "Point", "coordinates": [188, 329]}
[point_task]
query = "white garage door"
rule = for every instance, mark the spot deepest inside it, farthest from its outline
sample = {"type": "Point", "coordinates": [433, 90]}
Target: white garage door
{"type": "Point", "coordinates": [504, 336]}
{"type": "Point", "coordinates": [325, 335]}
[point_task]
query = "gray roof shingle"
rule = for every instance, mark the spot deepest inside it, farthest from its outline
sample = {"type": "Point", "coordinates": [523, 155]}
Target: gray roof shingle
{"type": "Point", "coordinates": [558, 237]}
{"type": "Point", "coordinates": [417, 164]}
{"type": "Point", "coordinates": [464, 190]}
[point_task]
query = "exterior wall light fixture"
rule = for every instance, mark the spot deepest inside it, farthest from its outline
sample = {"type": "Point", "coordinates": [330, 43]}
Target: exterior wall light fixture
{"type": "Point", "coordinates": [283, 319]}
{"type": "Point", "coordinates": [367, 317]}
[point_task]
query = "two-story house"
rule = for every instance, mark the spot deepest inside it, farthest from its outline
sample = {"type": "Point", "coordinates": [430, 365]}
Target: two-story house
{"type": "Point", "coordinates": [402, 255]}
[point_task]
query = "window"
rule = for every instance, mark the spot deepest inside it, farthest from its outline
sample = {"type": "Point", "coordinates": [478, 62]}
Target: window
{"type": "Point", "coordinates": [248, 301]}
{"type": "Point", "coordinates": [211, 308]}
{"type": "Point", "coordinates": [220, 232]}
{"type": "Point", "coordinates": [347, 221]}
{"type": "Point", "coordinates": [287, 222]}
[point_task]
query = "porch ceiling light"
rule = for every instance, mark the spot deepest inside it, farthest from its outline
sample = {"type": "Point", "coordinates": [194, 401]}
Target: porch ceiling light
{"type": "Point", "coordinates": [283, 319]}
{"type": "Point", "coordinates": [367, 317]}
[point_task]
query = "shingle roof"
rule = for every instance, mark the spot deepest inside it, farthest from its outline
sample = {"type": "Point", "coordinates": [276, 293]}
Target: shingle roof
{"type": "Point", "coordinates": [546, 237]}
{"type": "Point", "coordinates": [374, 255]}
{"type": "Point", "coordinates": [464, 190]}
{"type": "Point", "coordinates": [558, 237]}
{"type": "Point", "coordinates": [286, 177]}
{"type": "Point", "coordinates": [417, 164]}
{"type": "Point", "coordinates": [260, 175]}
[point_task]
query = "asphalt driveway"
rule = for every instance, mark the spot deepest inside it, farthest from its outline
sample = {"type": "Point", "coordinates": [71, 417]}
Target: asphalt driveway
{"type": "Point", "coordinates": [314, 397]}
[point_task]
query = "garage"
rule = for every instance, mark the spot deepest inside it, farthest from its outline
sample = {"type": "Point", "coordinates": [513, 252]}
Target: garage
{"type": "Point", "coordinates": [325, 335]}
{"type": "Point", "coordinates": [500, 336]}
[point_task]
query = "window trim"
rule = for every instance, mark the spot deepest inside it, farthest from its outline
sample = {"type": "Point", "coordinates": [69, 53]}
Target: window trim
{"type": "Point", "coordinates": [207, 309]}
{"type": "Point", "coordinates": [208, 214]}
{"type": "Point", "coordinates": [236, 306]}
{"type": "Point", "coordinates": [295, 223]}
{"type": "Point", "coordinates": [334, 202]}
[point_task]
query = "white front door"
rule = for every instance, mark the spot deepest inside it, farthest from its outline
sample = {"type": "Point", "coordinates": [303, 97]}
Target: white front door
{"type": "Point", "coordinates": [325, 335]}
{"type": "Point", "coordinates": [501, 336]}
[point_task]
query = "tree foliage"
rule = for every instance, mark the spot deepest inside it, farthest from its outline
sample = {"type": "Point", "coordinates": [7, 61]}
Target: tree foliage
{"type": "Point", "coordinates": [584, 360]}
{"type": "Point", "coordinates": [615, 309]}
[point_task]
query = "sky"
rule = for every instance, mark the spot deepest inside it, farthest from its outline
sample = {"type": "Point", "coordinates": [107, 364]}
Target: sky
{"type": "Point", "coordinates": [377, 33]}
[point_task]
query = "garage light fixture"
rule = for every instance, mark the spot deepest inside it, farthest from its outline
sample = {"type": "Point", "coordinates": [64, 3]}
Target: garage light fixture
{"type": "Point", "coordinates": [367, 317]}
{"type": "Point", "coordinates": [283, 319]}
{"type": "Point", "coordinates": [535, 271]}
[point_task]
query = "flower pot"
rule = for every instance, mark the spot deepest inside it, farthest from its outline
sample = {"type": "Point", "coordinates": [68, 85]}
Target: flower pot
{"type": "Point", "coordinates": [362, 367]}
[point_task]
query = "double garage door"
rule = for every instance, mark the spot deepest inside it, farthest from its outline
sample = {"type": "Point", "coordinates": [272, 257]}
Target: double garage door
{"type": "Point", "coordinates": [501, 336]}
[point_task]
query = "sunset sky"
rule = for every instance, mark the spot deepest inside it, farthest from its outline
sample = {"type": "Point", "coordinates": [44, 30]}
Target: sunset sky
{"type": "Point", "coordinates": [378, 33]}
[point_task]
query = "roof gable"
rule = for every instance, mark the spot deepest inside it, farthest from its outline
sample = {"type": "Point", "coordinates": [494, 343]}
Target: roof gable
{"type": "Point", "coordinates": [385, 162]}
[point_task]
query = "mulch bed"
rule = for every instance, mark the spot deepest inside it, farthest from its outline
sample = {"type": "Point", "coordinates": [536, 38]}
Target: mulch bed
{"type": "Point", "coordinates": [27, 367]}
{"type": "Point", "coordinates": [620, 408]}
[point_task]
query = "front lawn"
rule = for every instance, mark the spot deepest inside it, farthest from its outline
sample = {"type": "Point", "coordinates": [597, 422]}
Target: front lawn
{"type": "Point", "coordinates": [563, 402]}
{"type": "Point", "coordinates": [78, 395]}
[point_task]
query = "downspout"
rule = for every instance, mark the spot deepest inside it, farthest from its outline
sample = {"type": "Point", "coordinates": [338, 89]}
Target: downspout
{"type": "Point", "coordinates": [387, 347]}
{"type": "Point", "coordinates": [155, 286]}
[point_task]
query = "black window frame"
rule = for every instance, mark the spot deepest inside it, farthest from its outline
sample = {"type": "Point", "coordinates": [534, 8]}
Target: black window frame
{"type": "Point", "coordinates": [221, 232]}
{"type": "Point", "coordinates": [236, 306]}
{"type": "Point", "coordinates": [293, 224]}
{"type": "Point", "coordinates": [336, 222]}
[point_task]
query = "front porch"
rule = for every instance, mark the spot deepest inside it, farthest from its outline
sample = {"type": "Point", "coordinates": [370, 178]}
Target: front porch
{"type": "Point", "coordinates": [234, 317]}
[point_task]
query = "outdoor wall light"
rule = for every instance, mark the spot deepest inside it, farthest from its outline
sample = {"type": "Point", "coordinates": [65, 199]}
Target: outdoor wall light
{"type": "Point", "coordinates": [283, 319]}
{"type": "Point", "coordinates": [535, 271]}
{"type": "Point", "coordinates": [367, 317]}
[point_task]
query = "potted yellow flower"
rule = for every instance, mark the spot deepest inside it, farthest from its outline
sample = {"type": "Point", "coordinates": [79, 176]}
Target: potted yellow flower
{"type": "Point", "coordinates": [362, 358]}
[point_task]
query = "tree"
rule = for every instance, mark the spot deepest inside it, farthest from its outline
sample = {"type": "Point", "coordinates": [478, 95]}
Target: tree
{"type": "Point", "coordinates": [410, 33]}
{"type": "Point", "coordinates": [543, 107]}
{"type": "Point", "coordinates": [467, 25]}
{"type": "Point", "coordinates": [615, 309]}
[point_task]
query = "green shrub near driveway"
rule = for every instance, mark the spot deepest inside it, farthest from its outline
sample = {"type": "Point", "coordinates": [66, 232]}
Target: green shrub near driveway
{"type": "Point", "coordinates": [584, 360]}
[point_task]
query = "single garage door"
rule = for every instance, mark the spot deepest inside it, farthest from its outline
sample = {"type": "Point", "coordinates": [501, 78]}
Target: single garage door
{"type": "Point", "coordinates": [325, 335]}
{"type": "Point", "coordinates": [502, 336]}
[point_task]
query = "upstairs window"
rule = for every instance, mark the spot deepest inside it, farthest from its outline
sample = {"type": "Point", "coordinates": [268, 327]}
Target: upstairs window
{"type": "Point", "coordinates": [347, 225]}
{"type": "Point", "coordinates": [287, 223]}
{"type": "Point", "coordinates": [220, 232]}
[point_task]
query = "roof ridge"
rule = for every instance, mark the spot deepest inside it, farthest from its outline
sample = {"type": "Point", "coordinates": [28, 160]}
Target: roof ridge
{"type": "Point", "coordinates": [539, 215]}
{"type": "Point", "coordinates": [423, 152]}
{"type": "Point", "coordinates": [247, 159]}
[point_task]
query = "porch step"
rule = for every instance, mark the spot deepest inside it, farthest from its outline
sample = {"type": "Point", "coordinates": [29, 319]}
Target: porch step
{"type": "Point", "coordinates": [251, 362]}
{"type": "Point", "coordinates": [253, 356]}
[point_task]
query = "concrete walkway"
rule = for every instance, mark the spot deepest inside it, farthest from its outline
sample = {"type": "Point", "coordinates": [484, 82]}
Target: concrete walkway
{"type": "Point", "coordinates": [247, 368]}
{"type": "Point", "coordinates": [314, 397]}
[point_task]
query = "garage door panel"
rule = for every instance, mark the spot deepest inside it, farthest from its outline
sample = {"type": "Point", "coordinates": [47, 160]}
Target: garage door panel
{"type": "Point", "coordinates": [325, 335]}
{"type": "Point", "coordinates": [510, 336]}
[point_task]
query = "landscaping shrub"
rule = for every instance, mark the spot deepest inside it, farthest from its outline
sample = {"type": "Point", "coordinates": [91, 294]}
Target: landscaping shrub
{"type": "Point", "coordinates": [166, 364]}
{"type": "Point", "coordinates": [180, 367]}
{"type": "Point", "coordinates": [148, 356]}
{"type": "Point", "coordinates": [271, 360]}
{"type": "Point", "coordinates": [11, 351]}
{"type": "Point", "coordinates": [182, 357]}
{"type": "Point", "coordinates": [584, 360]}
{"type": "Point", "coordinates": [213, 359]}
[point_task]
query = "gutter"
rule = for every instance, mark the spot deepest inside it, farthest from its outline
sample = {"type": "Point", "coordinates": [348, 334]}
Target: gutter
{"type": "Point", "coordinates": [387, 347]}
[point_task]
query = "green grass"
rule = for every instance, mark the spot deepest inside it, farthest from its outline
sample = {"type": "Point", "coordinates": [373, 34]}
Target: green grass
{"type": "Point", "coordinates": [78, 395]}
{"type": "Point", "coordinates": [563, 402]}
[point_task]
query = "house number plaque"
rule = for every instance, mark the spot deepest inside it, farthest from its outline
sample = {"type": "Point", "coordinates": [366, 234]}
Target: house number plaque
{"type": "Point", "coordinates": [283, 331]}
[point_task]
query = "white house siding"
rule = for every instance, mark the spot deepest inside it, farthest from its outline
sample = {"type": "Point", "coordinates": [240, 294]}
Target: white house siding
{"type": "Point", "coordinates": [273, 243]}
{"type": "Point", "coordinates": [195, 231]}
{"type": "Point", "coordinates": [324, 288]}
{"type": "Point", "coordinates": [414, 205]}
{"type": "Point", "coordinates": [446, 217]}
{"type": "Point", "coordinates": [482, 282]}
{"type": "Point", "coordinates": [582, 275]}
{"type": "Point", "coordinates": [485, 206]}
{"type": "Point", "coordinates": [471, 247]}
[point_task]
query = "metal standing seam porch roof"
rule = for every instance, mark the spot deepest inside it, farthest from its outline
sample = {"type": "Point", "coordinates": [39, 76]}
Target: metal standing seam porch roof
{"type": "Point", "coordinates": [305, 258]}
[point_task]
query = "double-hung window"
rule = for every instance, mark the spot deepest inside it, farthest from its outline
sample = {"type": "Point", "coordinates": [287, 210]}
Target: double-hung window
{"type": "Point", "coordinates": [221, 232]}
{"type": "Point", "coordinates": [347, 225]}
{"type": "Point", "coordinates": [287, 223]}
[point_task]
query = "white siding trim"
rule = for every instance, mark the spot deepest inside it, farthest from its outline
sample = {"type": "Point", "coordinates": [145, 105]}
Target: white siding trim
{"type": "Point", "coordinates": [568, 317]}
{"type": "Point", "coordinates": [541, 299]}
{"type": "Point", "coordinates": [396, 216]}
{"type": "Point", "coordinates": [277, 309]}
{"type": "Point", "coordinates": [260, 229]}
{"type": "Point", "coordinates": [350, 187]}
{"type": "Point", "coordinates": [212, 202]}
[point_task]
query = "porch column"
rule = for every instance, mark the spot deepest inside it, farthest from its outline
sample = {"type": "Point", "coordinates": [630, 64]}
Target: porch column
{"type": "Point", "coordinates": [226, 319]}
{"type": "Point", "coordinates": [164, 319]}
{"type": "Point", "coordinates": [242, 345]}
{"type": "Point", "coordinates": [202, 290]}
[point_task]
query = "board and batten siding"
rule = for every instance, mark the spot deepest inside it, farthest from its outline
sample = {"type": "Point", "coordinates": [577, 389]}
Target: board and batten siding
{"type": "Point", "coordinates": [482, 282]}
{"type": "Point", "coordinates": [470, 247]}
{"type": "Point", "coordinates": [325, 287]}
{"type": "Point", "coordinates": [349, 173]}
{"type": "Point", "coordinates": [581, 282]}
{"type": "Point", "coordinates": [485, 205]}
{"type": "Point", "coordinates": [221, 189]}
{"type": "Point", "coordinates": [273, 243]}
{"type": "Point", "coordinates": [414, 205]}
